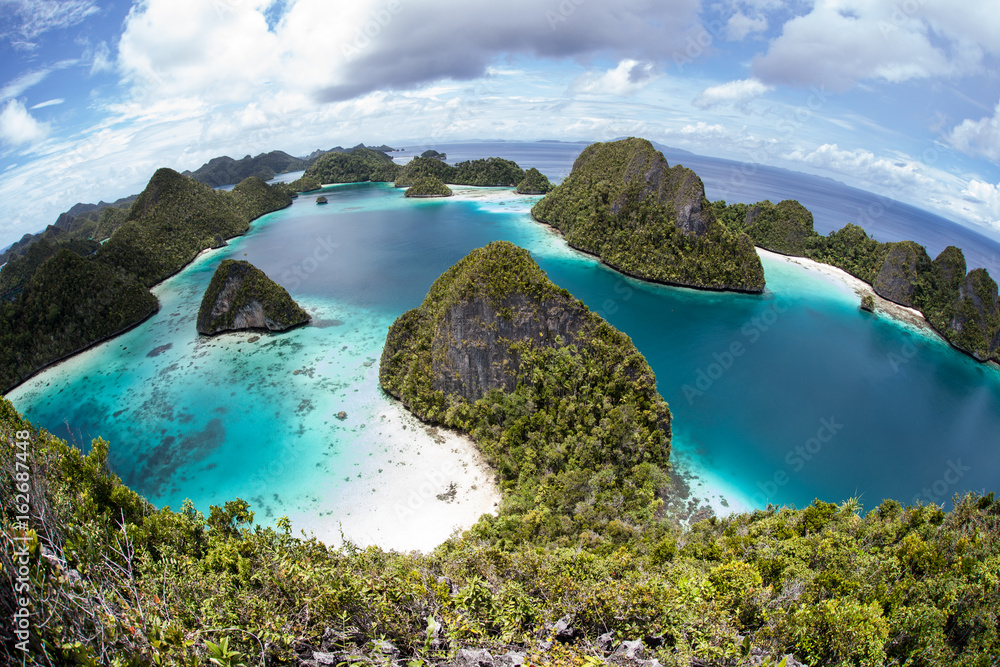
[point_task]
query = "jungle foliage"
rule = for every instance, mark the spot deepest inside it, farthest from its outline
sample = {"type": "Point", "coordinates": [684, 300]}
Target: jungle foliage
{"type": "Point", "coordinates": [244, 284]}
{"type": "Point", "coordinates": [621, 203]}
{"type": "Point", "coordinates": [581, 439]}
{"type": "Point", "coordinates": [121, 582]}
{"type": "Point", "coordinates": [486, 172]}
{"type": "Point", "coordinates": [786, 227]}
{"type": "Point", "coordinates": [16, 274]}
{"type": "Point", "coordinates": [963, 308]}
{"type": "Point", "coordinates": [69, 302]}
{"type": "Point", "coordinates": [357, 166]}
{"type": "Point", "coordinates": [534, 183]}
{"type": "Point", "coordinates": [428, 186]}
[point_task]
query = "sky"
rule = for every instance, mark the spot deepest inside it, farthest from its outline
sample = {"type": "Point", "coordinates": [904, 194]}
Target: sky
{"type": "Point", "coordinates": [897, 97]}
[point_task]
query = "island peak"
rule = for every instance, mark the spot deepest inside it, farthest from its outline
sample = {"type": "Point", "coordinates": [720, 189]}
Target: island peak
{"type": "Point", "coordinates": [494, 335]}
{"type": "Point", "coordinates": [624, 203]}
{"type": "Point", "coordinates": [242, 297]}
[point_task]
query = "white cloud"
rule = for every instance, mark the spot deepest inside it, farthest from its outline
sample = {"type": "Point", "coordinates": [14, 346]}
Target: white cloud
{"type": "Point", "coordinates": [740, 25]}
{"type": "Point", "coordinates": [979, 137]}
{"type": "Point", "coordinates": [215, 51]}
{"type": "Point", "coordinates": [374, 44]}
{"type": "Point", "coordinates": [18, 127]}
{"type": "Point", "coordinates": [628, 78]}
{"type": "Point", "coordinates": [906, 179]}
{"type": "Point", "coordinates": [842, 42]}
{"type": "Point", "coordinates": [989, 197]}
{"type": "Point", "coordinates": [738, 93]}
{"type": "Point", "coordinates": [702, 129]}
{"type": "Point", "coordinates": [101, 59]}
{"type": "Point", "coordinates": [36, 17]}
{"type": "Point", "coordinates": [48, 103]}
{"type": "Point", "coordinates": [881, 173]}
{"type": "Point", "coordinates": [21, 83]}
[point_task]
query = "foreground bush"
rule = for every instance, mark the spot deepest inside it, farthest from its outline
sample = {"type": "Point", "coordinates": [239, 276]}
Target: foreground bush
{"type": "Point", "coordinates": [114, 581]}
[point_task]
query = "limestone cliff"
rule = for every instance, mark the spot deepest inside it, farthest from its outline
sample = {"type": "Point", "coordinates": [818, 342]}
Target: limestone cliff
{"type": "Point", "coordinates": [494, 329]}
{"type": "Point", "coordinates": [898, 280]}
{"type": "Point", "coordinates": [786, 227]}
{"type": "Point", "coordinates": [625, 204]}
{"type": "Point", "coordinates": [241, 297]}
{"type": "Point", "coordinates": [975, 325]}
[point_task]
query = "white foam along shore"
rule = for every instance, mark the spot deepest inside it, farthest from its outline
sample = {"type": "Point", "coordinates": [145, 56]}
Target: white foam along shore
{"type": "Point", "coordinates": [428, 483]}
{"type": "Point", "coordinates": [909, 316]}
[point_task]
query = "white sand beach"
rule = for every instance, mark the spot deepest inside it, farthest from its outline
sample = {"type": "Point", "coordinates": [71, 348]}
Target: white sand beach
{"type": "Point", "coordinates": [909, 316]}
{"type": "Point", "coordinates": [429, 483]}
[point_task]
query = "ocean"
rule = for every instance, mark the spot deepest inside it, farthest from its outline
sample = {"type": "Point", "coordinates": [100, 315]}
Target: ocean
{"type": "Point", "coordinates": [778, 398]}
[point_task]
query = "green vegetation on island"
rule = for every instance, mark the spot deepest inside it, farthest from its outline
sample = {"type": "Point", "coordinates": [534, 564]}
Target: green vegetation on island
{"type": "Point", "coordinates": [69, 302]}
{"type": "Point", "coordinates": [560, 402]}
{"type": "Point", "coordinates": [82, 222]}
{"type": "Point", "coordinates": [431, 153]}
{"type": "Point", "coordinates": [177, 217]}
{"type": "Point", "coordinates": [241, 297]}
{"type": "Point", "coordinates": [850, 249]}
{"type": "Point", "coordinates": [305, 184]}
{"type": "Point", "coordinates": [428, 186]}
{"type": "Point", "coordinates": [868, 303]}
{"type": "Point", "coordinates": [424, 167]}
{"type": "Point", "coordinates": [786, 227]}
{"type": "Point", "coordinates": [963, 308]}
{"type": "Point", "coordinates": [321, 200]}
{"type": "Point", "coordinates": [534, 183]}
{"type": "Point", "coordinates": [357, 166]}
{"type": "Point", "coordinates": [362, 164]}
{"type": "Point", "coordinates": [119, 581]}
{"type": "Point", "coordinates": [625, 204]}
{"type": "Point", "coordinates": [225, 170]}
{"type": "Point", "coordinates": [21, 268]}
{"type": "Point", "coordinates": [486, 172]}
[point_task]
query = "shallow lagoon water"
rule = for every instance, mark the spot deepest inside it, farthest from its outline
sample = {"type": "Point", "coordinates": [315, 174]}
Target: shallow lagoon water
{"type": "Point", "coordinates": [783, 397]}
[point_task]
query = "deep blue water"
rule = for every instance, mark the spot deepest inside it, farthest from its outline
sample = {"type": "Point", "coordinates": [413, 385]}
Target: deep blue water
{"type": "Point", "coordinates": [783, 397]}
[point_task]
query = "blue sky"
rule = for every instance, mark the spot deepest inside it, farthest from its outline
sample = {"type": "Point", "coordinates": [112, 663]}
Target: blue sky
{"type": "Point", "coordinates": [896, 97]}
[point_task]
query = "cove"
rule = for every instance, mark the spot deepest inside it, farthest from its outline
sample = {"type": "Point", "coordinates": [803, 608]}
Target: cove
{"type": "Point", "coordinates": [797, 393]}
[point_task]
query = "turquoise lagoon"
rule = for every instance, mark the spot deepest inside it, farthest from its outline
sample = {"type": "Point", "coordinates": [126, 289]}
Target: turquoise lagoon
{"type": "Point", "coordinates": [778, 398]}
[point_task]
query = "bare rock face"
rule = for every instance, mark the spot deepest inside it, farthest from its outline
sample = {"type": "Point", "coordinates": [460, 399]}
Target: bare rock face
{"type": "Point", "coordinates": [976, 321]}
{"type": "Point", "coordinates": [897, 281]}
{"type": "Point", "coordinates": [472, 343]}
{"type": "Point", "coordinates": [494, 322]}
{"type": "Point", "coordinates": [242, 297]}
{"type": "Point", "coordinates": [675, 187]}
{"type": "Point", "coordinates": [625, 204]}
